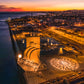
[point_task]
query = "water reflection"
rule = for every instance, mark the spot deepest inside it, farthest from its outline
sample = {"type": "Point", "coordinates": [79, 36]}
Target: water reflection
{"type": "Point", "coordinates": [8, 69]}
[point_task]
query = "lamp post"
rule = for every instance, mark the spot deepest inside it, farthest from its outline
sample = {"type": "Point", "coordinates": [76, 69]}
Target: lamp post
{"type": "Point", "coordinates": [19, 56]}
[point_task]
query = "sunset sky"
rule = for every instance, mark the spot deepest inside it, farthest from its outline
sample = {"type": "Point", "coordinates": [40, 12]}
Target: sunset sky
{"type": "Point", "coordinates": [40, 5]}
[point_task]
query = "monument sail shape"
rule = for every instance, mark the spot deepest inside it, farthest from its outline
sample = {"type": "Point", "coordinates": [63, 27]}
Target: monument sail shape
{"type": "Point", "coordinates": [32, 52]}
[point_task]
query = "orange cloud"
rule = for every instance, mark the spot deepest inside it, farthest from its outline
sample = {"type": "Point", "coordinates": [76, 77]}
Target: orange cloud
{"type": "Point", "coordinates": [4, 8]}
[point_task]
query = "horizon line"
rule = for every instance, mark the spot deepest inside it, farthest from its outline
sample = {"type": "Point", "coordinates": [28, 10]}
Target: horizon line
{"type": "Point", "coordinates": [46, 10]}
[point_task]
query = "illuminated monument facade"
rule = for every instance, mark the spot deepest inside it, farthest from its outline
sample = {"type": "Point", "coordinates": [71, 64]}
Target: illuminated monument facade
{"type": "Point", "coordinates": [32, 52]}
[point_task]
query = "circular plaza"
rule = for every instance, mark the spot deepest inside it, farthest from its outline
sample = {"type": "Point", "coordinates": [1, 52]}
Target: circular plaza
{"type": "Point", "coordinates": [64, 63]}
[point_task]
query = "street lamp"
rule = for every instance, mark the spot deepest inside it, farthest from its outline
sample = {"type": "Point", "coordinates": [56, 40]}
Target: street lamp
{"type": "Point", "coordinates": [19, 56]}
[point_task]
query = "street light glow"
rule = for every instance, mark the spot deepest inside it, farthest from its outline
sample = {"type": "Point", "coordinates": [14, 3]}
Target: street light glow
{"type": "Point", "coordinates": [20, 56]}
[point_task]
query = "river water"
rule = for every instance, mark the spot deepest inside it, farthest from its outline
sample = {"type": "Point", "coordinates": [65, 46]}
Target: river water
{"type": "Point", "coordinates": [8, 68]}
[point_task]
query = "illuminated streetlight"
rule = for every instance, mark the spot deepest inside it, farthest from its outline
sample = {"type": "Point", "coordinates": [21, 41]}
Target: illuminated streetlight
{"type": "Point", "coordinates": [23, 41]}
{"type": "Point", "coordinates": [19, 56]}
{"type": "Point", "coordinates": [51, 43]}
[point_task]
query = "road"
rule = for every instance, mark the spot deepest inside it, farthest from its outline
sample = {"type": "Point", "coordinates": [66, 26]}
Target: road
{"type": "Point", "coordinates": [69, 36]}
{"type": "Point", "coordinates": [64, 40]}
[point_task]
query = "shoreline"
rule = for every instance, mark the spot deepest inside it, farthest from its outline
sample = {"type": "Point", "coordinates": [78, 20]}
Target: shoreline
{"type": "Point", "coordinates": [20, 71]}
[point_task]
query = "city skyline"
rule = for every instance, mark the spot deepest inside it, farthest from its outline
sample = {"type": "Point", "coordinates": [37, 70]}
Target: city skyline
{"type": "Point", "coordinates": [41, 5]}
